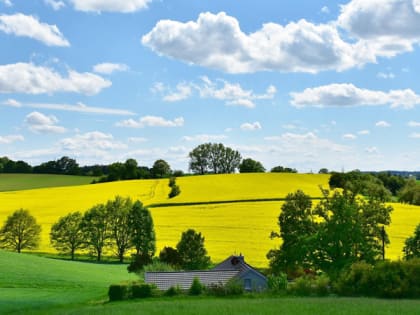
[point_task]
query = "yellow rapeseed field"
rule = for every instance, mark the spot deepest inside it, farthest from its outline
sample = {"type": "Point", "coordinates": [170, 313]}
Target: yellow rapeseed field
{"type": "Point", "coordinates": [229, 228]}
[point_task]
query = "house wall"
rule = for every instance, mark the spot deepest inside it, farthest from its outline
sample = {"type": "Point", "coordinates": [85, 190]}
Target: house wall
{"type": "Point", "coordinates": [253, 281]}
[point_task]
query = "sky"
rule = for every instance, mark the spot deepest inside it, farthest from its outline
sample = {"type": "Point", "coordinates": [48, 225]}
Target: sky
{"type": "Point", "coordinates": [307, 84]}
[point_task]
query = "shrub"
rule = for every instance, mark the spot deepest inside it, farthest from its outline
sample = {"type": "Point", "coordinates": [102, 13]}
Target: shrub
{"type": "Point", "coordinates": [118, 292]}
{"type": "Point", "coordinates": [301, 286]}
{"type": "Point", "coordinates": [157, 265]}
{"type": "Point", "coordinates": [321, 285]}
{"type": "Point", "coordinates": [172, 182]}
{"type": "Point", "coordinates": [143, 290]}
{"type": "Point", "coordinates": [173, 291]}
{"type": "Point", "coordinates": [170, 256]}
{"type": "Point", "coordinates": [389, 280]}
{"type": "Point", "coordinates": [175, 191]}
{"type": "Point", "coordinates": [277, 283]}
{"type": "Point", "coordinates": [216, 289]}
{"type": "Point", "coordinates": [356, 280]}
{"type": "Point", "coordinates": [234, 287]}
{"type": "Point", "coordinates": [196, 287]}
{"type": "Point", "coordinates": [310, 286]}
{"type": "Point", "coordinates": [138, 262]}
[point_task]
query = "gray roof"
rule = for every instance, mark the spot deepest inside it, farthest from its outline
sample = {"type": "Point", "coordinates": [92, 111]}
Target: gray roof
{"type": "Point", "coordinates": [237, 263]}
{"type": "Point", "coordinates": [165, 280]}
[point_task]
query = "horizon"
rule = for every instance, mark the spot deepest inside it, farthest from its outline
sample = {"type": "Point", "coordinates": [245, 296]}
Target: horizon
{"type": "Point", "coordinates": [302, 84]}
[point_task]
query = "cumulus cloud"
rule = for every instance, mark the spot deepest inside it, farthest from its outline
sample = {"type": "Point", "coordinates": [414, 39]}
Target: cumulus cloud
{"type": "Point", "coordinates": [251, 126]}
{"type": "Point", "coordinates": [325, 10]}
{"type": "Point", "coordinates": [231, 93]}
{"type": "Point", "coordinates": [151, 121]}
{"type": "Point", "coordinates": [10, 139]}
{"type": "Point", "coordinates": [363, 132]}
{"type": "Point", "coordinates": [297, 47]}
{"type": "Point", "coordinates": [414, 124]}
{"type": "Point", "coordinates": [56, 5]}
{"type": "Point", "coordinates": [12, 103]}
{"type": "Point", "coordinates": [7, 3]}
{"type": "Point", "coordinates": [29, 26]}
{"type": "Point", "coordinates": [383, 124]}
{"type": "Point", "coordinates": [349, 136]}
{"type": "Point", "coordinates": [31, 79]}
{"type": "Point", "coordinates": [350, 95]}
{"type": "Point", "coordinates": [385, 75]}
{"type": "Point", "coordinates": [204, 138]}
{"type": "Point", "coordinates": [91, 141]}
{"type": "Point", "coordinates": [415, 135]}
{"type": "Point", "coordinates": [109, 68]}
{"type": "Point", "coordinates": [372, 150]}
{"type": "Point", "coordinates": [40, 123]}
{"type": "Point", "coordinates": [98, 6]}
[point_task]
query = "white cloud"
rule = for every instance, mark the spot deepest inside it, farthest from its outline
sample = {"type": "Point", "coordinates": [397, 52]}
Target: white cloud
{"type": "Point", "coordinates": [12, 103]}
{"type": "Point", "coordinates": [384, 75]}
{"type": "Point", "coordinates": [31, 79]}
{"type": "Point", "coordinates": [183, 91]}
{"type": "Point", "coordinates": [251, 126]}
{"type": "Point", "coordinates": [56, 5]}
{"type": "Point", "coordinates": [137, 139]}
{"type": "Point", "coordinates": [325, 10]}
{"type": "Point", "coordinates": [29, 26]}
{"type": "Point", "coordinates": [414, 124]}
{"type": "Point", "coordinates": [125, 6]}
{"type": "Point", "coordinates": [10, 139]}
{"type": "Point", "coordinates": [350, 95]}
{"type": "Point", "coordinates": [297, 47]}
{"type": "Point", "coordinates": [91, 141]}
{"type": "Point", "coordinates": [349, 136]}
{"type": "Point", "coordinates": [40, 123]}
{"type": "Point", "coordinates": [372, 150]}
{"type": "Point", "coordinates": [108, 68]}
{"type": "Point", "coordinates": [151, 121]}
{"type": "Point", "coordinates": [7, 3]}
{"type": "Point", "coordinates": [383, 124]}
{"type": "Point", "coordinates": [363, 132]}
{"type": "Point", "coordinates": [204, 138]}
{"type": "Point", "coordinates": [289, 126]}
{"type": "Point", "coordinates": [415, 135]}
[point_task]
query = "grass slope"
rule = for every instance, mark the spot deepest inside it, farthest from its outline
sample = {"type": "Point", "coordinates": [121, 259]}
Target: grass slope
{"type": "Point", "coordinates": [14, 182]}
{"type": "Point", "coordinates": [29, 283]}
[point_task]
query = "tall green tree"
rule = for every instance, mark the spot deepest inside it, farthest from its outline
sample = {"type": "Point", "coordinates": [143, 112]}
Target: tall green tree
{"type": "Point", "coordinates": [96, 229]}
{"type": "Point", "coordinates": [412, 245]}
{"type": "Point", "coordinates": [118, 211]}
{"type": "Point", "coordinates": [20, 231]}
{"type": "Point", "coordinates": [192, 251]}
{"type": "Point", "coordinates": [142, 232]}
{"type": "Point", "coordinates": [251, 166]}
{"type": "Point", "coordinates": [297, 227]}
{"type": "Point", "coordinates": [161, 169]}
{"type": "Point", "coordinates": [66, 234]}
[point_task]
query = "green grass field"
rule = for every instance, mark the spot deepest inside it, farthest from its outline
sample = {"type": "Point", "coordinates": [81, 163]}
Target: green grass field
{"type": "Point", "coordinates": [14, 182]}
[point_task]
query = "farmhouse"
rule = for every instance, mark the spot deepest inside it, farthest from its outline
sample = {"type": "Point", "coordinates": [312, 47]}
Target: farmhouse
{"type": "Point", "coordinates": [232, 268]}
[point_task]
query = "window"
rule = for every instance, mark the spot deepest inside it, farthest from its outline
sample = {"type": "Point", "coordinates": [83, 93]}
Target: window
{"type": "Point", "coordinates": [247, 284]}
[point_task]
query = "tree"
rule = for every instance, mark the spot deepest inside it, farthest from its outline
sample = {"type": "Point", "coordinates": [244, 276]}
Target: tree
{"type": "Point", "coordinates": [118, 211]}
{"type": "Point", "coordinates": [251, 166]}
{"type": "Point", "coordinates": [323, 171]}
{"type": "Point", "coordinates": [20, 231]}
{"type": "Point", "coordinates": [412, 245]}
{"type": "Point", "coordinates": [410, 193]}
{"type": "Point", "coordinates": [281, 169]}
{"type": "Point", "coordinates": [66, 234]}
{"type": "Point", "coordinates": [96, 229]}
{"type": "Point", "coordinates": [161, 169]}
{"type": "Point", "coordinates": [170, 256]}
{"type": "Point", "coordinates": [142, 232]}
{"type": "Point", "coordinates": [131, 169]}
{"type": "Point", "coordinates": [215, 158]}
{"type": "Point", "coordinates": [297, 226]}
{"type": "Point", "coordinates": [192, 251]}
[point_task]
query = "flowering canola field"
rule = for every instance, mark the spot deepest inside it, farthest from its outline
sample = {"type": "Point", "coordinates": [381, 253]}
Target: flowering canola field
{"type": "Point", "coordinates": [242, 227]}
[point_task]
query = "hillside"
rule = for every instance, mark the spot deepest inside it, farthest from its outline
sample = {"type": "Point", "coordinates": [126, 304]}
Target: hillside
{"type": "Point", "coordinates": [14, 182]}
{"type": "Point", "coordinates": [31, 283]}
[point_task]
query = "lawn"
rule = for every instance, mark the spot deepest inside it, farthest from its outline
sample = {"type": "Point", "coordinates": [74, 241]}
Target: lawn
{"type": "Point", "coordinates": [13, 182]}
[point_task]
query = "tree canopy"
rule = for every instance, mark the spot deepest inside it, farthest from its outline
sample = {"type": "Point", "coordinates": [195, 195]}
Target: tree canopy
{"type": "Point", "coordinates": [251, 166]}
{"type": "Point", "coordinates": [192, 252]}
{"type": "Point", "coordinates": [214, 158]}
{"type": "Point", "coordinates": [412, 245]}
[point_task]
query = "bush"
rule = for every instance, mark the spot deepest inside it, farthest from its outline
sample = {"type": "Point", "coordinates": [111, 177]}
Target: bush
{"type": "Point", "coordinates": [138, 262]}
{"type": "Point", "coordinates": [170, 256]}
{"type": "Point", "coordinates": [173, 291]}
{"type": "Point", "coordinates": [356, 281]}
{"type": "Point", "coordinates": [310, 286]}
{"type": "Point", "coordinates": [143, 290]}
{"type": "Point", "coordinates": [196, 287]}
{"type": "Point", "coordinates": [277, 284]}
{"type": "Point", "coordinates": [231, 288]}
{"type": "Point", "coordinates": [118, 292]}
{"type": "Point", "coordinates": [301, 287]}
{"type": "Point", "coordinates": [175, 191]}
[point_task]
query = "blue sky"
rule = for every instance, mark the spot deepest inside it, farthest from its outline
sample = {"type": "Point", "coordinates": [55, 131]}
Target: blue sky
{"type": "Point", "coordinates": [303, 84]}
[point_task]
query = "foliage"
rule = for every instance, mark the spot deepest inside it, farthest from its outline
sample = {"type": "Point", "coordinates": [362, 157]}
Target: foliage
{"type": "Point", "coordinates": [412, 245]}
{"type": "Point", "coordinates": [117, 212]}
{"type": "Point", "coordinates": [138, 262]}
{"type": "Point", "coordinates": [96, 229]}
{"type": "Point", "coordinates": [214, 158]}
{"type": "Point", "coordinates": [161, 169]}
{"type": "Point", "coordinates": [356, 280]}
{"type": "Point", "coordinates": [277, 283]}
{"type": "Point", "coordinates": [310, 286]}
{"type": "Point", "coordinates": [410, 193]}
{"type": "Point", "coordinates": [142, 290]}
{"type": "Point", "coordinates": [175, 190]}
{"type": "Point", "coordinates": [170, 256]}
{"type": "Point", "coordinates": [173, 291]}
{"type": "Point", "coordinates": [20, 231]}
{"type": "Point", "coordinates": [156, 266]}
{"type": "Point", "coordinates": [251, 166]}
{"type": "Point", "coordinates": [281, 169]}
{"type": "Point", "coordinates": [323, 171]}
{"type": "Point", "coordinates": [196, 287]}
{"type": "Point", "coordinates": [142, 232]}
{"type": "Point", "coordinates": [63, 166]}
{"type": "Point", "coordinates": [118, 292]}
{"type": "Point", "coordinates": [66, 235]}
{"type": "Point", "coordinates": [297, 226]}
{"type": "Point", "coordinates": [192, 251]}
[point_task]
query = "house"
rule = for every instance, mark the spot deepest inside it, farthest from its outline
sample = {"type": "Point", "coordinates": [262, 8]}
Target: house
{"type": "Point", "coordinates": [234, 267]}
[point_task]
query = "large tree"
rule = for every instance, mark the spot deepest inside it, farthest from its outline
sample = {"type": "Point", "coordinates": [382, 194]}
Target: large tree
{"type": "Point", "coordinates": [66, 234]}
{"type": "Point", "coordinates": [20, 231]}
{"type": "Point", "coordinates": [142, 232]}
{"type": "Point", "coordinates": [251, 166]}
{"type": "Point", "coordinates": [117, 211]}
{"type": "Point", "coordinates": [412, 245]}
{"type": "Point", "coordinates": [192, 252]}
{"type": "Point", "coordinates": [161, 169]}
{"type": "Point", "coordinates": [96, 229]}
{"type": "Point", "coordinates": [214, 158]}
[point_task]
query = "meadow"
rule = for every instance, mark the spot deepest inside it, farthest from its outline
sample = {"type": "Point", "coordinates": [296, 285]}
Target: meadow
{"type": "Point", "coordinates": [240, 227]}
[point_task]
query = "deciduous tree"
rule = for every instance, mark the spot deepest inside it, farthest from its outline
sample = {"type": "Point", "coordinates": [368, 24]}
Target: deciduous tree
{"type": "Point", "coordinates": [192, 251]}
{"type": "Point", "coordinates": [412, 245]}
{"type": "Point", "coordinates": [251, 166]}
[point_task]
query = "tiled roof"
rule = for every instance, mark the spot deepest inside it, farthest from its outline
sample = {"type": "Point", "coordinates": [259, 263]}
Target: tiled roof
{"type": "Point", "coordinates": [165, 280]}
{"type": "Point", "coordinates": [236, 263]}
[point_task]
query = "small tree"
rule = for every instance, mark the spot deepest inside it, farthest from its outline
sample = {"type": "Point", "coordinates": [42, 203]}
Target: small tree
{"type": "Point", "coordinates": [251, 166]}
{"type": "Point", "coordinates": [142, 232]}
{"type": "Point", "coordinates": [66, 234]}
{"type": "Point", "coordinates": [20, 231]}
{"type": "Point", "coordinates": [412, 245]}
{"type": "Point", "coordinates": [161, 169]}
{"type": "Point", "coordinates": [192, 251]}
{"type": "Point", "coordinates": [170, 256]}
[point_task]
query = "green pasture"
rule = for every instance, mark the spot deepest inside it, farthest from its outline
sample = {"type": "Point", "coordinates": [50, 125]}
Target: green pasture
{"type": "Point", "coordinates": [13, 182]}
